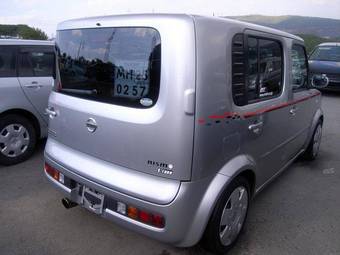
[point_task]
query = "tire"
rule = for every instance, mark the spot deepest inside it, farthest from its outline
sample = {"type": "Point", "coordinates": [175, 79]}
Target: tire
{"type": "Point", "coordinates": [313, 147]}
{"type": "Point", "coordinates": [213, 239]}
{"type": "Point", "coordinates": [17, 139]}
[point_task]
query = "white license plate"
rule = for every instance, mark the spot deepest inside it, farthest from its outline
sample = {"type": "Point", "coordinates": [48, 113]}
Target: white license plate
{"type": "Point", "coordinates": [92, 200]}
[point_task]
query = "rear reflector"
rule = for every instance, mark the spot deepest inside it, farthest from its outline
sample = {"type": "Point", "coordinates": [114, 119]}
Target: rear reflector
{"type": "Point", "coordinates": [52, 172]}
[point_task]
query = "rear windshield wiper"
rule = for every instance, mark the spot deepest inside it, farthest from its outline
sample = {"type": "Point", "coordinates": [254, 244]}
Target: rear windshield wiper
{"type": "Point", "coordinates": [80, 91]}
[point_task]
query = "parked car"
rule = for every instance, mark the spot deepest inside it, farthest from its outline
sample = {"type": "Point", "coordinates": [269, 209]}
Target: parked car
{"type": "Point", "coordinates": [324, 64]}
{"type": "Point", "coordinates": [158, 124]}
{"type": "Point", "coordinates": [27, 71]}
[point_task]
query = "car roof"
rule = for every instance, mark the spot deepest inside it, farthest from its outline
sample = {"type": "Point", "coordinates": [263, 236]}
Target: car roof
{"type": "Point", "coordinates": [252, 26]}
{"type": "Point", "coordinates": [26, 42]}
{"type": "Point", "coordinates": [80, 23]}
{"type": "Point", "coordinates": [330, 44]}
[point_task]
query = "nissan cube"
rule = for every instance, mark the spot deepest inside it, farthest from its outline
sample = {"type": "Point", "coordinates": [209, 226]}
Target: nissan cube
{"type": "Point", "coordinates": [169, 125]}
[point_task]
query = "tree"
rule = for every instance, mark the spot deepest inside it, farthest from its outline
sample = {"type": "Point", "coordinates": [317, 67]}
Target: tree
{"type": "Point", "coordinates": [23, 31]}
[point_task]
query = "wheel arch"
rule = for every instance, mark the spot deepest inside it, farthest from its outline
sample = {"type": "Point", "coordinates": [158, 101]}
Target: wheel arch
{"type": "Point", "coordinates": [242, 165]}
{"type": "Point", "coordinates": [318, 116]}
{"type": "Point", "coordinates": [250, 176]}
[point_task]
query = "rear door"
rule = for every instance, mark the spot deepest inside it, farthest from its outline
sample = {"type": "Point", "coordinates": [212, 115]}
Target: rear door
{"type": "Point", "coordinates": [114, 105]}
{"type": "Point", "coordinates": [36, 69]}
{"type": "Point", "coordinates": [301, 108]}
{"type": "Point", "coordinates": [10, 91]}
{"type": "Point", "coordinates": [263, 100]}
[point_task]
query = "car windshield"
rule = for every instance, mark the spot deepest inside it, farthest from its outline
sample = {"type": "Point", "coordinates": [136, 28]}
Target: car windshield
{"type": "Point", "coordinates": [326, 53]}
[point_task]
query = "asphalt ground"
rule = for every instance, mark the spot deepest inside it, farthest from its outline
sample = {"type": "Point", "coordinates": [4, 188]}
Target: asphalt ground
{"type": "Point", "coordinates": [299, 213]}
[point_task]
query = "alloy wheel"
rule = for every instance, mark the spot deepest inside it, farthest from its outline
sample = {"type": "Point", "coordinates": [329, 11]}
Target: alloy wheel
{"type": "Point", "coordinates": [14, 140]}
{"type": "Point", "coordinates": [233, 215]}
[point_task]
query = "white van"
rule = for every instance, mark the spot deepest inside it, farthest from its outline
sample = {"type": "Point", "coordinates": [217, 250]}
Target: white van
{"type": "Point", "coordinates": [27, 72]}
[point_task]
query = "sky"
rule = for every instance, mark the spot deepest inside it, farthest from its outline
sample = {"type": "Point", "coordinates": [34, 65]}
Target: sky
{"type": "Point", "coordinates": [47, 14]}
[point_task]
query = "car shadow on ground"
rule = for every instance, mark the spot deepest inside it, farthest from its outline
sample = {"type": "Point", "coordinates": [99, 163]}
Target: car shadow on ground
{"type": "Point", "coordinates": [330, 93]}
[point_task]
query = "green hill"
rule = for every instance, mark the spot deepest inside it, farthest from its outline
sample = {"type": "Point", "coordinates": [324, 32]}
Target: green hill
{"type": "Point", "coordinates": [321, 27]}
{"type": "Point", "coordinates": [313, 30]}
{"type": "Point", "coordinates": [311, 41]}
{"type": "Point", "coordinates": [22, 31]}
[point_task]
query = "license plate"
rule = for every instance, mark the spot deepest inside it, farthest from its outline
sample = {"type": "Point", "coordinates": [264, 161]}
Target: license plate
{"type": "Point", "coordinates": [92, 200]}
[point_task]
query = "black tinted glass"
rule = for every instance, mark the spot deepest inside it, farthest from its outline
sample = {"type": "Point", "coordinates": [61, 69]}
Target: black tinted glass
{"type": "Point", "coordinates": [326, 53]}
{"type": "Point", "coordinates": [252, 73]}
{"type": "Point", "coordinates": [36, 63]}
{"type": "Point", "coordinates": [7, 61]}
{"type": "Point", "coordinates": [257, 69]}
{"type": "Point", "coordinates": [113, 65]}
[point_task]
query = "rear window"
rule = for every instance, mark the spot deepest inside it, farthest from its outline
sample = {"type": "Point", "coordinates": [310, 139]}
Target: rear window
{"type": "Point", "coordinates": [113, 65]}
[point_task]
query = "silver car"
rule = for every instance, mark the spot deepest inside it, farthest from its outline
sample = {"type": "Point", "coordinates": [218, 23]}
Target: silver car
{"type": "Point", "coordinates": [27, 69]}
{"type": "Point", "coordinates": [170, 124]}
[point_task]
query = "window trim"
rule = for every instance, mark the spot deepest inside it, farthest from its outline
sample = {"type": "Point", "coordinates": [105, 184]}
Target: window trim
{"type": "Point", "coordinates": [307, 66]}
{"type": "Point", "coordinates": [246, 54]}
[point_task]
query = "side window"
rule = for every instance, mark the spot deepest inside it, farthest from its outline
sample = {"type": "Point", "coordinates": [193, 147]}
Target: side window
{"type": "Point", "coordinates": [259, 74]}
{"type": "Point", "coordinates": [299, 68]}
{"type": "Point", "coordinates": [36, 63]}
{"type": "Point", "coordinates": [7, 61]}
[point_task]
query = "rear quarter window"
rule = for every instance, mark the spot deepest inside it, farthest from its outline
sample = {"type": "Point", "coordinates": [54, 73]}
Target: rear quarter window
{"type": "Point", "coordinates": [112, 65]}
{"type": "Point", "coordinates": [257, 69]}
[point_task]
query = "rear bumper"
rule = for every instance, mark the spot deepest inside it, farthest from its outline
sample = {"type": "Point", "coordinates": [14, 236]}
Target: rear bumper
{"type": "Point", "coordinates": [186, 215]}
{"type": "Point", "coordinates": [147, 187]}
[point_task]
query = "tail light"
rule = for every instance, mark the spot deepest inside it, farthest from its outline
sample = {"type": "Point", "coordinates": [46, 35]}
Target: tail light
{"type": "Point", "coordinates": [132, 212]}
{"type": "Point", "coordinates": [140, 215]}
{"type": "Point", "coordinates": [54, 173]}
{"type": "Point", "coordinates": [57, 86]}
{"type": "Point", "coordinates": [158, 221]}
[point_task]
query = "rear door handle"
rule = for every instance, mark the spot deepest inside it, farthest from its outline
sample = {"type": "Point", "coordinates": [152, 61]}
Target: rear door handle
{"type": "Point", "coordinates": [33, 85]}
{"type": "Point", "coordinates": [293, 111]}
{"type": "Point", "coordinates": [256, 128]}
{"type": "Point", "coordinates": [51, 112]}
